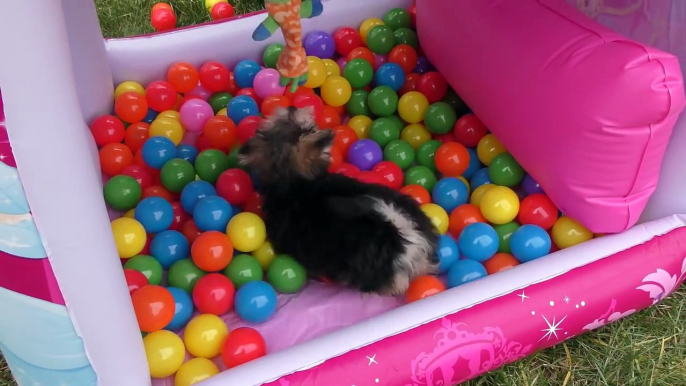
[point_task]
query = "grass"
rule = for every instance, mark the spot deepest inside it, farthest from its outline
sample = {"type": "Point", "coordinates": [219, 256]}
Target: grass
{"type": "Point", "coordinates": [646, 349]}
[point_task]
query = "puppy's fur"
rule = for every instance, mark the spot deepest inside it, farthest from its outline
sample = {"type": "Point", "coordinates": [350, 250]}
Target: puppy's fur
{"type": "Point", "coordinates": [365, 236]}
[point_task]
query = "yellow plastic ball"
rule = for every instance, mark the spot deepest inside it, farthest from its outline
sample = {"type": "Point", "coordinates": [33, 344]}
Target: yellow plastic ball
{"type": "Point", "coordinates": [168, 128]}
{"type": "Point", "coordinates": [438, 217]}
{"type": "Point", "coordinates": [568, 232]}
{"type": "Point", "coordinates": [129, 236]}
{"type": "Point", "coordinates": [264, 254]}
{"type": "Point", "coordinates": [130, 213]}
{"type": "Point", "coordinates": [128, 86]}
{"type": "Point", "coordinates": [204, 335]}
{"type": "Point", "coordinates": [223, 112]}
{"type": "Point", "coordinates": [172, 114]}
{"type": "Point", "coordinates": [367, 26]}
{"type": "Point", "coordinates": [415, 134]}
{"type": "Point", "coordinates": [336, 91]}
{"type": "Point", "coordinates": [332, 67]}
{"type": "Point", "coordinates": [209, 4]}
{"type": "Point", "coordinates": [246, 231]}
{"type": "Point", "coordinates": [316, 74]}
{"type": "Point", "coordinates": [469, 187]}
{"type": "Point", "coordinates": [488, 148]}
{"type": "Point", "coordinates": [194, 371]}
{"type": "Point", "coordinates": [500, 205]}
{"type": "Point", "coordinates": [478, 194]}
{"type": "Point", "coordinates": [412, 107]}
{"type": "Point", "coordinates": [361, 124]}
{"type": "Point", "coordinates": [165, 353]}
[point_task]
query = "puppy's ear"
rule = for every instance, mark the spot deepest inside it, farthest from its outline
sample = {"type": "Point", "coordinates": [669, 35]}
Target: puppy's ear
{"type": "Point", "coordinates": [314, 152]}
{"type": "Point", "coordinates": [304, 117]}
{"type": "Point", "coordinates": [280, 114]}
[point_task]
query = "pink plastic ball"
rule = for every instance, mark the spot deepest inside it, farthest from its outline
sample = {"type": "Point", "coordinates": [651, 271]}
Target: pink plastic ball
{"type": "Point", "coordinates": [380, 60]}
{"type": "Point", "coordinates": [201, 92]}
{"type": "Point", "coordinates": [266, 83]}
{"type": "Point", "coordinates": [194, 114]}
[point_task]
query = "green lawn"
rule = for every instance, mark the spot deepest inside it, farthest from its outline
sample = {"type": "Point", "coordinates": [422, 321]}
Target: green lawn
{"type": "Point", "coordinates": [646, 349]}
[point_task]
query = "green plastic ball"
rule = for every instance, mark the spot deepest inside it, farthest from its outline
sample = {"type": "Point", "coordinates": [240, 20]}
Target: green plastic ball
{"type": "Point", "coordinates": [397, 121]}
{"type": "Point", "coordinates": [406, 36]}
{"type": "Point", "coordinates": [383, 101]}
{"type": "Point", "coordinates": [184, 274]}
{"type": "Point", "coordinates": [504, 232]}
{"type": "Point", "coordinates": [357, 105]}
{"type": "Point", "coordinates": [359, 73]}
{"type": "Point", "coordinates": [383, 131]}
{"type": "Point", "coordinates": [243, 269]}
{"type": "Point", "coordinates": [271, 55]}
{"type": "Point", "coordinates": [440, 118]}
{"type": "Point", "coordinates": [427, 152]}
{"type": "Point", "coordinates": [122, 192]}
{"type": "Point", "coordinates": [381, 39]}
{"type": "Point", "coordinates": [232, 159]}
{"type": "Point", "coordinates": [176, 174]}
{"type": "Point", "coordinates": [505, 170]}
{"type": "Point", "coordinates": [422, 176]}
{"type": "Point", "coordinates": [455, 102]}
{"type": "Point", "coordinates": [400, 153]}
{"type": "Point", "coordinates": [398, 18]}
{"type": "Point", "coordinates": [148, 266]}
{"type": "Point", "coordinates": [286, 275]}
{"type": "Point", "coordinates": [219, 100]}
{"type": "Point", "coordinates": [210, 164]}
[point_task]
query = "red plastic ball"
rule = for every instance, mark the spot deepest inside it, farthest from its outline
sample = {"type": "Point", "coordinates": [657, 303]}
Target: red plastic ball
{"type": "Point", "coordinates": [161, 6]}
{"type": "Point", "coordinates": [348, 170]}
{"type": "Point", "coordinates": [452, 159]}
{"type": "Point", "coordinates": [135, 280]}
{"type": "Point", "coordinates": [298, 91]}
{"type": "Point", "coordinates": [107, 129]}
{"type": "Point", "coordinates": [391, 173]}
{"type": "Point", "coordinates": [362, 53]}
{"type": "Point", "coordinates": [371, 177]}
{"type": "Point", "coordinates": [190, 231]}
{"type": "Point", "coordinates": [235, 186]}
{"type": "Point", "coordinates": [202, 143]}
{"type": "Point", "coordinates": [444, 138]}
{"type": "Point", "coordinates": [469, 130]}
{"type": "Point", "coordinates": [213, 294]}
{"type": "Point", "coordinates": [344, 138]}
{"type": "Point", "coordinates": [273, 102]}
{"type": "Point", "coordinates": [160, 96]}
{"type": "Point", "coordinates": [158, 191]}
{"type": "Point", "coordinates": [163, 19]}
{"type": "Point", "coordinates": [220, 131]}
{"type": "Point", "coordinates": [180, 217]}
{"type": "Point", "coordinates": [346, 40]}
{"type": "Point", "coordinates": [139, 173]}
{"type": "Point", "coordinates": [249, 91]}
{"type": "Point", "coordinates": [538, 209]}
{"type": "Point", "coordinates": [114, 157]}
{"type": "Point", "coordinates": [146, 247]}
{"type": "Point", "coordinates": [136, 135]}
{"type": "Point", "coordinates": [254, 205]}
{"type": "Point", "coordinates": [418, 193]}
{"type": "Point", "coordinates": [131, 107]}
{"type": "Point", "coordinates": [405, 56]}
{"type": "Point", "coordinates": [310, 100]}
{"type": "Point", "coordinates": [243, 345]}
{"type": "Point", "coordinates": [329, 118]}
{"type": "Point", "coordinates": [410, 83]}
{"type": "Point", "coordinates": [247, 128]}
{"type": "Point", "coordinates": [413, 15]}
{"type": "Point", "coordinates": [183, 76]}
{"type": "Point", "coordinates": [232, 87]}
{"type": "Point", "coordinates": [214, 76]}
{"type": "Point", "coordinates": [222, 11]}
{"type": "Point", "coordinates": [433, 85]}
{"type": "Point", "coordinates": [154, 307]}
{"type": "Point", "coordinates": [462, 216]}
{"type": "Point", "coordinates": [422, 287]}
{"type": "Point", "coordinates": [336, 159]}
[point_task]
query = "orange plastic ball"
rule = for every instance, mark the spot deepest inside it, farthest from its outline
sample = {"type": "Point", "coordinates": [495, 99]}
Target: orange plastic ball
{"type": "Point", "coordinates": [114, 157]}
{"type": "Point", "coordinates": [329, 118]}
{"type": "Point", "coordinates": [160, 6]}
{"type": "Point", "coordinates": [462, 216]}
{"type": "Point", "coordinates": [131, 107]}
{"type": "Point", "coordinates": [158, 191]}
{"type": "Point", "coordinates": [191, 231]}
{"type": "Point", "coordinates": [422, 287]}
{"type": "Point", "coordinates": [362, 53]}
{"type": "Point", "coordinates": [183, 76]}
{"type": "Point", "coordinates": [336, 158]}
{"type": "Point", "coordinates": [273, 102]}
{"type": "Point", "coordinates": [212, 251]}
{"type": "Point", "coordinates": [452, 159]}
{"type": "Point", "coordinates": [500, 262]}
{"type": "Point", "coordinates": [344, 138]}
{"type": "Point", "coordinates": [154, 307]}
{"type": "Point", "coordinates": [418, 193]}
{"type": "Point", "coordinates": [136, 135]}
{"type": "Point", "coordinates": [220, 131]}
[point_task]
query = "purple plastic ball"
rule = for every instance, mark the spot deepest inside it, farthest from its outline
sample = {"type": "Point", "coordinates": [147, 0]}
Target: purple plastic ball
{"type": "Point", "coordinates": [423, 66]}
{"type": "Point", "coordinates": [320, 44]}
{"type": "Point", "coordinates": [342, 61]}
{"type": "Point", "coordinates": [364, 154]}
{"type": "Point", "coordinates": [380, 60]}
{"type": "Point", "coordinates": [530, 186]}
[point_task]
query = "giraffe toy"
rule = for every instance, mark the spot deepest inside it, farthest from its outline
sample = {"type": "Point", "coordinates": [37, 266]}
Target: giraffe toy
{"type": "Point", "coordinates": [286, 14]}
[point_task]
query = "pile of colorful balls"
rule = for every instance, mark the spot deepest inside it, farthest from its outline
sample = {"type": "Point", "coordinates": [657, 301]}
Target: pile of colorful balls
{"type": "Point", "coordinates": [190, 232]}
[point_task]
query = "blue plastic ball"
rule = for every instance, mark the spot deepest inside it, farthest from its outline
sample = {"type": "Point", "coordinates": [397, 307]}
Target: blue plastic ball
{"type": "Point", "coordinates": [474, 164]}
{"type": "Point", "coordinates": [150, 116]}
{"type": "Point", "coordinates": [212, 214]}
{"type": "Point", "coordinates": [449, 193]}
{"type": "Point", "coordinates": [168, 247]}
{"type": "Point", "coordinates": [194, 192]}
{"type": "Point", "coordinates": [241, 107]}
{"type": "Point", "coordinates": [464, 271]}
{"type": "Point", "coordinates": [245, 72]}
{"type": "Point", "coordinates": [391, 75]}
{"type": "Point", "coordinates": [255, 301]}
{"type": "Point", "coordinates": [183, 309]}
{"type": "Point", "coordinates": [187, 152]}
{"type": "Point", "coordinates": [478, 241]}
{"type": "Point", "coordinates": [156, 151]}
{"type": "Point", "coordinates": [530, 242]}
{"type": "Point", "coordinates": [155, 214]}
{"type": "Point", "coordinates": [447, 253]}
{"type": "Point", "coordinates": [480, 177]}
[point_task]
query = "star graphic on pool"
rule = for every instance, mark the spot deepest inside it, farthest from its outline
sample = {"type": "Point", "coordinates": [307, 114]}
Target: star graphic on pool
{"type": "Point", "coordinates": [372, 359]}
{"type": "Point", "coordinates": [523, 296]}
{"type": "Point", "coordinates": [566, 299]}
{"type": "Point", "coordinates": [552, 329]}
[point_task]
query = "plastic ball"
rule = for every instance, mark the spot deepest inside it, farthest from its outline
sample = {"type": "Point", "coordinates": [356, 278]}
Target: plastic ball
{"type": "Point", "coordinates": [204, 336]}
{"type": "Point", "coordinates": [469, 130]}
{"type": "Point", "coordinates": [361, 125]}
{"type": "Point", "coordinates": [264, 254]}
{"type": "Point", "coordinates": [212, 213]}
{"type": "Point", "coordinates": [391, 75]}
{"type": "Point", "coordinates": [256, 302]}
{"type": "Point", "coordinates": [391, 173]}
{"type": "Point", "coordinates": [246, 231]}
{"type": "Point", "coordinates": [155, 214]}
{"type": "Point", "coordinates": [538, 209]}
{"type": "Point", "coordinates": [190, 230]}
{"type": "Point", "coordinates": [214, 76]}
{"type": "Point", "coordinates": [381, 39]}
{"type": "Point", "coordinates": [406, 36]}
{"type": "Point", "coordinates": [423, 287]}
{"type": "Point", "coordinates": [247, 128]}
{"type": "Point", "coordinates": [478, 241]}
{"type": "Point", "coordinates": [131, 107]}
{"type": "Point", "coordinates": [146, 265]}
{"type": "Point", "coordinates": [245, 72]}
{"type": "Point", "coordinates": [114, 157]}
{"type": "Point", "coordinates": [440, 118]}
{"type": "Point", "coordinates": [383, 131]}
{"type": "Point", "coordinates": [361, 53]}
{"type": "Point", "coordinates": [271, 54]}
{"type": "Point", "coordinates": [156, 151]}
{"type": "Point", "coordinates": [134, 280]}
{"type": "Point", "coordinates": [500, 205]}
{"type": "Point", "coordinates": [346, 40]}
{"type": "Point", "coordinates": [107, 129]}
{"type": "Point", "coordinates": [183, 76]}
{"type": "Point", "coordinates": [272, 103]}
{"type": "Point", "coordinates": [423, 66]}
{"type": "Point", "coordinates": [243, 345]}
{"type": "Point", "coordinates": [210, 164]}
{"type": "Point", "coordinates": [160, 96]}
{"type": "Point", "coordinates": [568, 232]}
{"type": "Point", "coordinates": [406, 57]}
{"type": "Point", "coordinates": [488, 148]}
{"type": "Point", "coordinates": [194, 192]}
{"type": "Point", "coordinates": [209, 4]}
{"type": "Point", "coordinates": [220, 131]}
{"type": "Point", "coordinates": [504, 232]}
{"type": "Point", "coordinates": [194, 114]}
{"type": "Point", "coordinates": [336, 91]}
{"type": "Point", "coordinates": [434, 86]}
{"type": "Point", "coordinates": [316, 72]}
{"type": "Point", "coordinates": [365, 153]}
{"type": "Point", "coordinates": [505, 170]}
{"type": "Point", "coordinates": [367, 26]}
{"type": "Point", "coordinates": [357, 104]}
{"type": "Point", "coordinates": [447, 253]}
{"type": "Point", "coordinates": [128, 86]}
{"type": "Point", "coordinates": [478, 194]}
{"type": "Point", "coordinates": [474, 164]}
{"type": "Point", "coordinates": [530, 242]}
{"type": "Point", "coordinates": [399, 152]}
{"type": "Point", "coordinates": [122, 192]}
{"type": "Point", "coordinates": [158, 191]}
{"type": "Point", "coordinates": [197, 369]}
{"type": "Point", "coordinates": [168, 247]}
{"type": "Point", "coordinates": [412, 107]}
{"type": "Point", "coordinates": [183, 309]}
{"type": "Point", "coordinates": [530, 186]}
{"type": "Point", "coordinates": [184, 274]}
{"type": "Point", "coordinates": [465, 271]}
{"type": "Point", "coordinates": [330, 116]}
{"type": "Point", "coordinates": [500, 262]}
{"type": "Point", "coordinates": [359, 73]}
{"type": "Point", "coordinates": [438, 216]}
{"type": "Point", "coordinates": [286, 274]}
{"type": "Point", "coordinates": [154, 307]}
{"type": "Point", "coordinates": [383, 101]}
{"type": "Point", "coordinates": [129, 237]}
{"type": "Point", "coordinates": [214, 294]}
{"type": "Point", "coordinates": [243, 269]}
{"type": "Point", "coordinates": [416, 135]}
{"type": "Point", "coordinates": [449, 193]}
{"type": "Point", "coordinates": [165, 353]}
{"type": "Point", "coordinates": [235, 186]}
{"type": "Point", "coordinates": [222, 11]}
{"type": "Point", "coordinates": [218, 102]}
{"type": "Point", "coordinates": [167, 127]}
{"type": "Point", "coordinates": [480, 177]}
{"type": "Point", "coordinates": [212, 251]}
{"type": "Point", "coordinates": [176, 174]}
{"type": "Point", "coordinates": [332, 67]}
{"type": "Point", "coordinates": [319, 44]}
{"type": "Point", "coordinates": [420, 175]}
{"type": "Point", "coordinates": [266, 83]}
{"type": "Point", "coordinates": [136, 135]}
{"type": "Point", "coordinates": [418, 193]}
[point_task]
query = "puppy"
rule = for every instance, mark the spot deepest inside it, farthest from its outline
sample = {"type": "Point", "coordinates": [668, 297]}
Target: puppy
{"type": "Point", "coordinates": [365, 236]}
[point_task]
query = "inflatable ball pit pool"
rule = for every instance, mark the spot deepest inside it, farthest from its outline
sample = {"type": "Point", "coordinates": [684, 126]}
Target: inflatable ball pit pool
{"type": "Point", "coordinates": [73, 320]}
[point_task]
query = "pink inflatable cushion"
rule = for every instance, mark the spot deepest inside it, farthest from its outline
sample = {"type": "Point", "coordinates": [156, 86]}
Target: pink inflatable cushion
{"type": "Point", "coordinates": [587, 112]}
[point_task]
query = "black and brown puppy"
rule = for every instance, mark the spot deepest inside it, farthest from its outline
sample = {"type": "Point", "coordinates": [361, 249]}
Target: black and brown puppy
{"type": "Point", "coordinates": [365, 236]}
